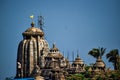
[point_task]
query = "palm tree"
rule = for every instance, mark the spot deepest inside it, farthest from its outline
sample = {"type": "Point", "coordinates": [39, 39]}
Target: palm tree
{"type": "Point", "coordinates": [113, 57]}
{"type": "Point", "coordinates": [97, 52]}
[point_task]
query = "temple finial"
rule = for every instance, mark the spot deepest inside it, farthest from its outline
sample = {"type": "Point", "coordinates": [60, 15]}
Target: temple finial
{"type": "Point", "coordinates": [67, 55]}
{"type": "Point", "coordinates": [54, 45]}
{"type": "Point", "coordinates": [32, 17]}
{"type": "Point", "coordinates": [77, 53]}
{"type": "Point", "coordinates": [32, 24]}
{"type": "Point", "coordinates": [73, 55]}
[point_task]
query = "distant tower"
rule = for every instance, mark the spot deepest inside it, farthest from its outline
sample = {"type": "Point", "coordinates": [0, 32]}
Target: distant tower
{"type": "Point", "coordinates": [78, 64]}
{"type": "Point", "coordinates": [31, 51]}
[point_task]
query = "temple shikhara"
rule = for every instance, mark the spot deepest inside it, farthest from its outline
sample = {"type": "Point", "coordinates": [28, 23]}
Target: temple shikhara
{"type": "Point", "coordinates": [36, 60]}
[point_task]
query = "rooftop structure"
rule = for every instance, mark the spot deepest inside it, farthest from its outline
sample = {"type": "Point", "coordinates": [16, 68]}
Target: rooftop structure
{"type": "Point", "coordinates": [31, 52]}
{"type": "Point", "coordinates": [99, 65]}
{"type": "Point", "coordinates": [36, 60]}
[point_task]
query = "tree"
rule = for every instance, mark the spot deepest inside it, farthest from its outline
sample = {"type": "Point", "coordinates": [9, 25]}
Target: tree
{"type": "Point", "coordinates": [76, 77]}
{"type": "Point", "coordinates": [113, 56]}
{"type": "Point", "coordinates": [97, 52]}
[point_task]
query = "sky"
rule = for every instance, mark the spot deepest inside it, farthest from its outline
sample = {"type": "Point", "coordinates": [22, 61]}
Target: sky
{"type": "Point", "coordinates": [74, 25]}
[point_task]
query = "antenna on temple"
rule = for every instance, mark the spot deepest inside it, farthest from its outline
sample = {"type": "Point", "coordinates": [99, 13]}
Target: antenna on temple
{"type": "Point", "coordinates": [40, 22]}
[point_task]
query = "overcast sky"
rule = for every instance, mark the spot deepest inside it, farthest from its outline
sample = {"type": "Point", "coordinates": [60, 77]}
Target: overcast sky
{"type": "Point", "coordinates": [72, 24]}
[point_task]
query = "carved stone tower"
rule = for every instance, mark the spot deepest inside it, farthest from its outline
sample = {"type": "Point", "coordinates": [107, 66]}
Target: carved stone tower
{"type": "Point", "coordinates": [31, 52]}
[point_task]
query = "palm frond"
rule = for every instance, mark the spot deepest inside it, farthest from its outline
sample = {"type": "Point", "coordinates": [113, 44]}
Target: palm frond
{"type": "Point", "coordinates": [96, 52]}
{"type": "Point", "coordinates": [103, 51]}
{"type": "Point", "coordinates": [109, 55]}
{"type": "Point", "coordinates": [112, 59]}
{"type": "Point", "coordinates": [92, 53]}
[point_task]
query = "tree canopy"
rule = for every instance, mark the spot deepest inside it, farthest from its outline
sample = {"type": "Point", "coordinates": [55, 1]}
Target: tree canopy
{"type": "Point", "coordinates": [113, 56]}
{"type": "Point", "coordinates": [97, 52]}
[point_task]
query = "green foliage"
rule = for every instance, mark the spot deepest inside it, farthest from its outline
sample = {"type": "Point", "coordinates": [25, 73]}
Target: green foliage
{"type": "Point", "coordinates": [87, 74]}
{"type": "Point", "coordinates": [87, 68]}
{"type": "Point", "coordinates": [75, 77]}
{"type": "Point", "coordinates": [89, 79]}
{"type": "Point", "coordinates": [113, 75]}
{"type": "Point", "coordinates": [113, 56]}
{"type": "Point", "coordinates": [99, 78]}
{"type": "Point", "coordinates": [96, 52]}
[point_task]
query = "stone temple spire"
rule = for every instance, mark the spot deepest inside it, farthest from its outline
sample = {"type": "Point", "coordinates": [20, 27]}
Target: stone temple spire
{"type": "Point", "coordinates": [32, 24]}
{"type": "Point", "coordinates": [30, 50]}
{"type": "Point", "coordinates": [54, 48]}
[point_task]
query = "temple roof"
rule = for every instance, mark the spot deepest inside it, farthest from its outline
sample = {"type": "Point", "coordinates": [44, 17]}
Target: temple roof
{"type": "Point", "coordinates": [54, 48]}
{"type": "Point", "coordinates": [54, 52]}
{"type": "Point", "coordinates": [55, 55]}
{"type": "Point", "coordinates": [78, 60]}
{"type": "Point", "coordinates": [33, 31]}
{"type": "Point", "coordinates": [99, 63]}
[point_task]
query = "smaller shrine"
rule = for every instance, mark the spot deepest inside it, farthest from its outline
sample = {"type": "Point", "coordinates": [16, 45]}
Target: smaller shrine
{"type": "Point", "coordinates": [54, 64]}
{"type": "Point", "coordinates": [77, 66]}
{"type": "Point", "coordinates": [99, 65]}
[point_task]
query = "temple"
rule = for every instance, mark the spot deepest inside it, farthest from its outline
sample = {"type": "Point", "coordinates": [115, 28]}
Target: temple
{"type": "Point", "coordinates": [32, 51]}
{"type": "Point", "coordinates": [36, 60]}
